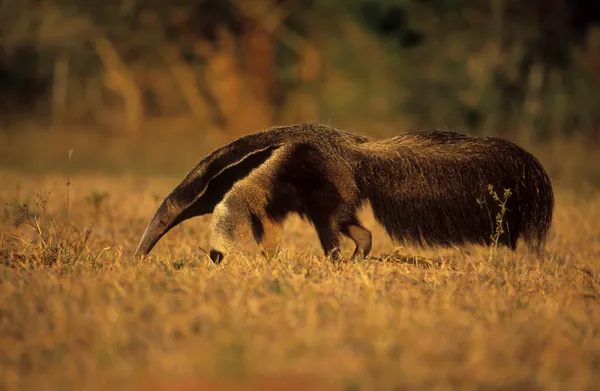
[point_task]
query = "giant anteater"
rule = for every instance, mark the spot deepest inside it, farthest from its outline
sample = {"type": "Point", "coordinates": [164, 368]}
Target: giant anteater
{"type": "Point", "coordinates": [425, 187]}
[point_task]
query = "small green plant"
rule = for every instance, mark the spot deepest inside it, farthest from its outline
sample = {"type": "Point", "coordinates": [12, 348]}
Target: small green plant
{"type": "Point", "coordinates": [498, 229]}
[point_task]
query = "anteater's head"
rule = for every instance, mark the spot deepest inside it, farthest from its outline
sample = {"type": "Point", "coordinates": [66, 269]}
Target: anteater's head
{"type": "Point", "coordinates": [199, 193]}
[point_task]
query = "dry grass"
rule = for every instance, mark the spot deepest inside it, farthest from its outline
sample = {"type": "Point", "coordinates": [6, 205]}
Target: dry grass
{"type": "Point", "coordinates": [77, 312]}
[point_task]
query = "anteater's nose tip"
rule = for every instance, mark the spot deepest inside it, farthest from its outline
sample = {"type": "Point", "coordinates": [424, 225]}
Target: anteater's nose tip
{"type": "Point", "coordinates": [215, 256]}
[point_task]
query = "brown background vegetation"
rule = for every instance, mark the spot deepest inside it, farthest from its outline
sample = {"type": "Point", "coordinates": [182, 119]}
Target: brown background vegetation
{"type": "Point", "coordinates": [142, 83]}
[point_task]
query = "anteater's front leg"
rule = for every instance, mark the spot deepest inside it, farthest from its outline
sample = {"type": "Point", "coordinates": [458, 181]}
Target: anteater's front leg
{"type": "Point", "coordinates": [267, 234]}
{"type": "Point", "coordinates": [329, 236]}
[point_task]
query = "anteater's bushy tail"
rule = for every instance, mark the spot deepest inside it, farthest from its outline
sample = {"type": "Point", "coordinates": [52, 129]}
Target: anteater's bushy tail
{"type": "Point", "coordinates": [537, 217]}
{"type": "Point", "coordinates": [432, 188]}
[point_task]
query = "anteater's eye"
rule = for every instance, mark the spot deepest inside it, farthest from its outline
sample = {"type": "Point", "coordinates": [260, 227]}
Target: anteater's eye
{"type": "Point", "coordinates": [163, 221]}
{"type": "Point", "coordinates": [170, 206]}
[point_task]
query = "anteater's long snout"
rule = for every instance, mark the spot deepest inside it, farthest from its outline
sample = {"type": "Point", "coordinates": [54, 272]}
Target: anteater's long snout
{"type": "Point", "coordinates": [162, 221]}
{"type": "Point", "coordinates": [148, 240]}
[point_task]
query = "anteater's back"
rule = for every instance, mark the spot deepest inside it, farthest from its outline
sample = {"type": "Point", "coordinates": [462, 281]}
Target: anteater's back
{"type": "Point", "coordinates": [438, 182]}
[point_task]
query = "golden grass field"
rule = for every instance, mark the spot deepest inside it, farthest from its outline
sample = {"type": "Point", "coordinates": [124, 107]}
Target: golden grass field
{"type": "Point", "coordinates": [77, 312]}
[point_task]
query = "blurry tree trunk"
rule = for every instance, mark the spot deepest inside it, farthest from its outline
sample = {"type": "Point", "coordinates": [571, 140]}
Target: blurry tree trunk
{"type": "Point", "coordinates": [119, 79]}
{"type": "Point", "coordinates": [264, 30]}
{"type": "Point", "coordinates": [537, 86]}
{"type": "Point", "coordinates": [185, 79]}
{"type": "Point", "coordinates": [195, 90]}
{"type": "Point", "coordinates": [308, 73]}
{"type": "Point", "coordinates": [242, 111]}
{"type": "Point", "coordinates": [94, 101]}
{"type": "Point", "coordinates": [503, 122]}
{"type": "Point", "coordinates": [59, 90]}
{"type": "Point", "coordinates": [512, 96]}
{"type": "Point", "coordinates": [216, 112]}
{"type": "Point", "coordinates": [588, 58]}
{"type": "Point", "coordinates": [499, 11]}
{"type": "Point", "coordinates": [258, 55]}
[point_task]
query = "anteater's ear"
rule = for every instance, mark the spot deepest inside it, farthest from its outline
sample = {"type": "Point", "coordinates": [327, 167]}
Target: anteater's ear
{"type": "Point", "coordinates": [220, 184]}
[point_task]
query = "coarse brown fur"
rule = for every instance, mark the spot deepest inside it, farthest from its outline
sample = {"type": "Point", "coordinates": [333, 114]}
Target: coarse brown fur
{"type": "Point", "coordinates": [430, 188]}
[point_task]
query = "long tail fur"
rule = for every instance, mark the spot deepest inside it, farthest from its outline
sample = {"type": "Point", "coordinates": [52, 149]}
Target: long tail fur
{"type": "Point", "coordinates": [540, 207]}
{"type": "Point", "coordinates": [431, 188]}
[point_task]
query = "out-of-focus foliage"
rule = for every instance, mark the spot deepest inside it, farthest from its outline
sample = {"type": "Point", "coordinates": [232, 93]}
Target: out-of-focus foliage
{"type": "Point", "coordinates": [504, 66]}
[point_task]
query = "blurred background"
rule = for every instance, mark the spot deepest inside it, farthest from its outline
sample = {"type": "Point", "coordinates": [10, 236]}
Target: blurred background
{"type": "Point", "coordinates": [151, 86]}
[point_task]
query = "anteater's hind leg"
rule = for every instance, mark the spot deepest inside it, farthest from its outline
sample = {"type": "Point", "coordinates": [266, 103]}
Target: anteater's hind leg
{"type": "Point", "coordinates": [330, 232]}
{"type": "Point", "coordinates": [361, 237]}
